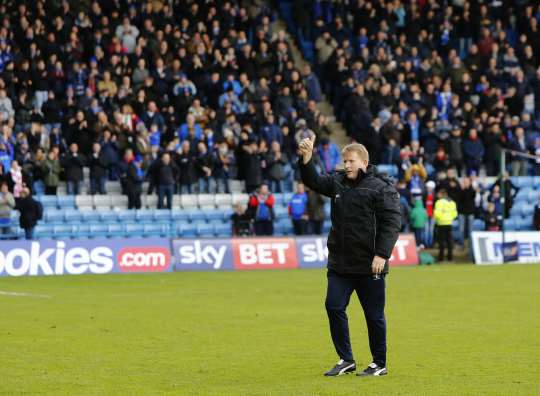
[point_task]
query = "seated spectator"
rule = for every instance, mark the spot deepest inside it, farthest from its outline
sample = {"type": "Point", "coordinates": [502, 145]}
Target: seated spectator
{"type": "Point", "coordinates": [298, 210]}
{"type": "Point", "coordinates": [31, 211]}
{"type": "Point", "coordinates": [492, 219]}
{"type": "Point", "coordinates": [261, 209]}
{"type": "Point", "coordinates": [415, 177]}
{"type": "Point", "coordinates": [241, 221]}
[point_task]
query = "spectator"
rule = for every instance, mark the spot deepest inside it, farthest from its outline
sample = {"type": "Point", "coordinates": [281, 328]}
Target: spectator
{"type": "Point", "coordinates": [31, 211]}
{"type": "Point", "coordinates": [473, 150]}
{"type": "Point", "coordinates": [329, 154]}
{"type": "Point", "coordinates": [429, 200]}
{"type": "Point", "coordinates": [98, 170]}
{"type": "Point", "coordinates": [241, 221]}
{"type": "Point", "coordinates": [466, 209]}
{"type": "Point", "coordinates": [298, 210]}
{"type": "Point", "coordinates": [275, 165]}
{"type": "Point", "coordinates": [133, 183]}
{"type": "Point", "coordinates": [73, 163]}
{"type": "Point", "coordinates": [205, 163]}
{"type": "Point", "coordinates": [510, 192]}
{"type": "Point", "coordinates": [7, 204]}
{"type": "Point", "coordinates": [445, 213]}
{"type": "Point", "coordinates": [492, 218]}
{"type": "Point", "coordinates": [261, 208]}
{"type": "Point", "coordinates": [249, 161]}
{"type": "Point", "coordinates": [312, 84]}
{"type": "Point", "coordinates": [519, 145]}
{"type": "Point", "coordinates": [315, 211]}
{"type": "Point", "coordinates": [51, 173]}
{"type": "Point", "coordinates": [224, 168]}
{"type": "Point", "coordinates": [415, 177]}
{"type": "Point", "coordinates": [16, 179]}
{"type": "Point", "coordinates": [418, 221]}
{"type": "Point", "coordinates": [185, 161]}
{"type": "Point", "coordinates": [166, 174]}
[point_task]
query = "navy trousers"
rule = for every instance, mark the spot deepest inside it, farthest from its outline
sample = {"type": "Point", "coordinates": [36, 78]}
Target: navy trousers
{"type": "Point", "coordinates": [371, 293]}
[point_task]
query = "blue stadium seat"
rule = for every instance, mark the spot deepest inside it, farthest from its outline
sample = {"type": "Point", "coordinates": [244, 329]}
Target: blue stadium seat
{"type": "Point", "coordinates": [63, 231]}
{"type": "Point", "coordinates": [532, 196]}
{"type": "Point", "coordinates": [66, 201]}
{"type": "Point", "coordinates": [522, 181]}
{"type": "Point", "coordinates": [204, 229]}
{"type": "Point", "coordinates": [98, 230]}
{"type": "Point", "coordinates": [227, 215]}
{"type": "Point", "coordinates": [223, 230]}
{"type": "Point", "coordinates": [48, 201]}
{"type": "Point", "coordinates": [279, 199]}
{"type": "Point", "coordinates": [186, 230]}
{"type": "Point", "coordinates": [44, 231]}
{"type": "Point", "coordinates": [153, 230]}
{"type": "Point", "coordinates": [391, 170]}
{"type": "Point", "coordinates": [523, 224]}
{"type": "Point", "coordinates": [478, 225]}
{"type": "Point", "coordinates": [195, 215]}
{"type": "Point", "coordinates": [180, 215]}
{"type": "Point", "coordinates": [510, 224]}
{"type": "Point", "coordinates": [287, 197]}
{"type": "Point", "coordinates": [115, 231]}
{"type": "Point", "coordinates": [327, 209]}
{"type": "Point", "coordinates": [281, 212]}
{"type": "Point", "coordinates": [145, 215]}
{"type": "Point", "coordinates": [162, 215]}
{"type": "Point", "coordinates": [134, 229]}
{"type": "Point", "coordinates": [72, 215]}
{"type": "Point", "coordinates": [54, 216]}
{"type": "Point", "coordinates": [536, 182]}
{"type": "Point", "coordinates": [527, 210]}
{"type": "Point", "coordinates": [215, 214]}
{"type": "Point", "coordinates": [90, 216]}
{"type": "Point", "coordinates": [83, 230]}
{"type": "Point", "coordinates": [108, 216]}
{"type": "Point", "coordinates": [127, 216]}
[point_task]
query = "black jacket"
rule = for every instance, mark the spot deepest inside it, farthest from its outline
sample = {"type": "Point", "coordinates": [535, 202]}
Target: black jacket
{"type": "Point", "coordinates": [29, 212]}
{"type": "Point", "coordinates": [365, 217]}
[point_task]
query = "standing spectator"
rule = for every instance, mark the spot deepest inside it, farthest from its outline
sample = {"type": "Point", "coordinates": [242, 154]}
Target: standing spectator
{"type": "Point", "coordinates": [418, 221]}
{"type": "Point", "coordinates": [315, 210]}
{"type": "Point", "coordinates": [415, 177]}
{"type": "Point", "coordinates": [133, 183]}
{"type": "Point", "coordinates": [251, 165]}
{"type": "Point", "coordinates": [185, 162]}
{"type": "Point", "coordinates": [166, 179]}
{"type": "Point", "coordinates": [224, 169]}
{"type": "Point", "coordinates": [261, 207]}
{"type": "Point", "coordinates": [98, 170]}
{"type": "Point", "coordinates": [31, 211]}
{"type": "Point", "coordinates": [205, 163]}
{"type": "Point", "coordinates": [329, 154]}
{"type": "Point", "coordinates": [312, 84]}
{"type": "Point", "coordinates": [16, 178]}
{"type": "Point", "coordinates": [298, 210]}
{"type": "Point", "coordinates": [473, 150]}
{"type": "Point", "coordinates": [73, 163]}
{"type": "Point", "coordinates": [275, 167]}
{"type": "Point", "coordinates": [466, 209]}
{"type": "Point", "coordinates": [519, 145]}
{"type": "Point", "coordinates": [510, 192]}
{"type": "Point", "coordinates": [7, 204]}
{"type": "Point", "coordinates": [445, 213]}
{"type": "Point", "coordinates": [51, 173]}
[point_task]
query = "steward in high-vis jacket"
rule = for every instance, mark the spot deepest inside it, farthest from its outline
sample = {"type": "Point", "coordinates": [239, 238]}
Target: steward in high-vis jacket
{"type": "Point", "coordinates": [366, 221]}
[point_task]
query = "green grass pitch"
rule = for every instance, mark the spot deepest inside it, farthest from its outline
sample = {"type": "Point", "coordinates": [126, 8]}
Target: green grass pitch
{"type": "Point", "coordinates": [453, 330]}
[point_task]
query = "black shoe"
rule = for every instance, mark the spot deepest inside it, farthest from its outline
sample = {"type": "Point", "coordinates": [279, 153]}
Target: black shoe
{"type": "Point", "coordinates": [342, 367]}
{"type": "Point", "coordinates": [373, 370]}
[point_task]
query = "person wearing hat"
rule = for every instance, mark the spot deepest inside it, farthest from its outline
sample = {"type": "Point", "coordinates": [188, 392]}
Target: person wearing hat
{"type": "Point", "coordinates": [445, 213]}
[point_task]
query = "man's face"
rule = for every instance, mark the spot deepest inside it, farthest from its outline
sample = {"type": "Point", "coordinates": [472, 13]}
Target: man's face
{"type": "Point", "coordinates": [353, 164]}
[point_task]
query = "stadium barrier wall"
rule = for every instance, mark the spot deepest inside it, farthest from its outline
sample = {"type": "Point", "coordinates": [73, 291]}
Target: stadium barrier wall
{"type": "Point", "coordinates": [487, 246]}
{"type": "Point", "coordinates": [143, 255]}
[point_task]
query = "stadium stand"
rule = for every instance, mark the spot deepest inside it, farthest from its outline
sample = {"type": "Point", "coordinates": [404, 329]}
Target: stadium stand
{"type": "Point", "coordinates": [433, 92]}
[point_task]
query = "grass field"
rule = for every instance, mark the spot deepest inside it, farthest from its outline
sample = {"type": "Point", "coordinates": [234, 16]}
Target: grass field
{"type": "Point", "coordinates": [459, 330]}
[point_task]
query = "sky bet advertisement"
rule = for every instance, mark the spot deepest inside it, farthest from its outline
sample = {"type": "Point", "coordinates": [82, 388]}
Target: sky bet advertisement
{"type": "Point", "coordinates": [145, 255]}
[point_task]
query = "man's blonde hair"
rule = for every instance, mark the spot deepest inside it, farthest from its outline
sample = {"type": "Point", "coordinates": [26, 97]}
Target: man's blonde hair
{"type": "Point", "coordinates": [357, 148]}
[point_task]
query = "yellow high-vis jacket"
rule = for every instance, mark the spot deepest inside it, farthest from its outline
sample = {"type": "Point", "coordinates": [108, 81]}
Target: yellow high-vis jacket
{"type": "Point", "coordinates": [445, 212]}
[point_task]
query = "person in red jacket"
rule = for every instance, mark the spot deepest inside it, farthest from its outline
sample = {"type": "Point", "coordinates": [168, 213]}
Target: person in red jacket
{"type": "Point", "coordinates": [261, 208]}
{"type": "Point", "coordinates": [429, 202]}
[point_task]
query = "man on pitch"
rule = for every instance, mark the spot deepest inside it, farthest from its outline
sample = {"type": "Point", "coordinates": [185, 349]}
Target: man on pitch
{"type": "Point", "coordinates": [365, 226]}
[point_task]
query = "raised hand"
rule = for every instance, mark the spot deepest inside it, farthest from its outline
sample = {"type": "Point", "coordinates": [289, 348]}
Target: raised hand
{"type": "Point", "coordinates": [306, 148]}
